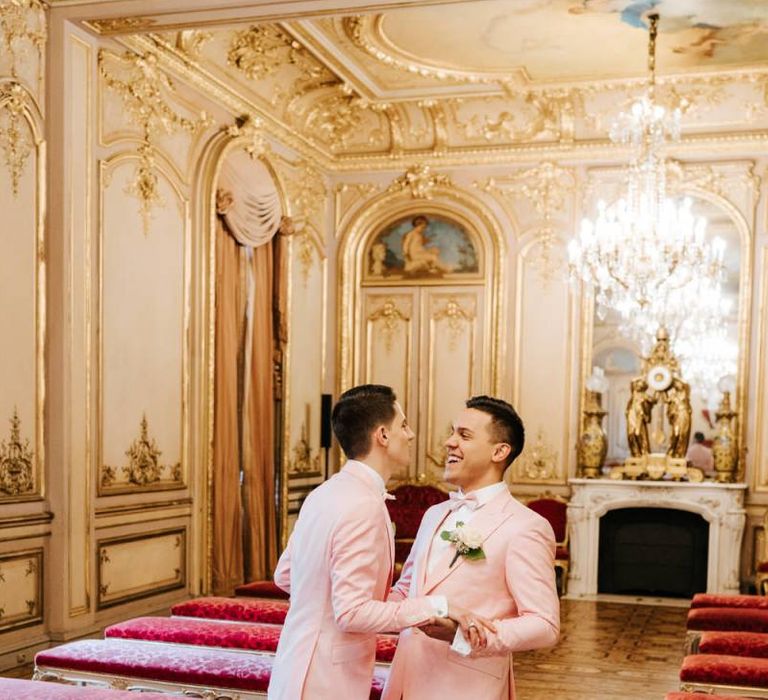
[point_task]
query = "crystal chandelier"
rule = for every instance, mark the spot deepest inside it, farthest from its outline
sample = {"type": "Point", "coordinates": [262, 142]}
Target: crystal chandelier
{"type": "Point", "coordinates": [705, 358]}
{"type": "Point", "coordinates": [647, 255]}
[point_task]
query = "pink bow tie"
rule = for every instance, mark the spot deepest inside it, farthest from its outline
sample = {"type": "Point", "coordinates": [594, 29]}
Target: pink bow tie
{"type": "Point", "coordinates": [457, 500]}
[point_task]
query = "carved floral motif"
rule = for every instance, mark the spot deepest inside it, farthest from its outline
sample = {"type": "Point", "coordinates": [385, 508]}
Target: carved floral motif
{"type": "Point", "coordinates": [16, 462]}
{"type": "Point", "coordinates": [420, 182]}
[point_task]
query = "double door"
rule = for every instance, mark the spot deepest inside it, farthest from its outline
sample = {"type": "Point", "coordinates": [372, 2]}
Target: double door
{"type": "Point", "coordinates": [431, 344]}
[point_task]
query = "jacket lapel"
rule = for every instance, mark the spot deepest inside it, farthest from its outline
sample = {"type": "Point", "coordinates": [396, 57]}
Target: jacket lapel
{"type": "Point", "coordinates": [440, 516]}
{"type": "Point", "coordinates": [488, 519]}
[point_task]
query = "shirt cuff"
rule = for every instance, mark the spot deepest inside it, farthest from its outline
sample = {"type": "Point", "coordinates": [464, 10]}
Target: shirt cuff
{"type": "Point", "coordinates": [439, 604]}
{"type": "Point", "coordinates": [460, 645]}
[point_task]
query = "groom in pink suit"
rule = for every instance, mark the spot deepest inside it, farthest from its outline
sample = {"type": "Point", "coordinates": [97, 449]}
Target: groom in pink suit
{"type": "Point", "coordinates": [338, 563]}
{"type": "Point", "coordinates": [487, 551]}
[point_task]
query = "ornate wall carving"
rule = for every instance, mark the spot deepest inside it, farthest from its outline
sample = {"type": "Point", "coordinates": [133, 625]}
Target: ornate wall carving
{"type": "Point", "coordinates": [21, 589]}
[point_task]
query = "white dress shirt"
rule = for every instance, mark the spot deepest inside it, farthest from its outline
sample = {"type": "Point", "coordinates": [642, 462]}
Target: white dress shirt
{"type": "Point", "coordinates": [439, 602]}
{"type": "Point", "coordinates": [439, 546]}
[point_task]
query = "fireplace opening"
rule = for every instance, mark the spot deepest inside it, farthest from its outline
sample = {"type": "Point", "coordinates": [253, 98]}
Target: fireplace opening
{"type": "Point", "coordinates": [653, 551]}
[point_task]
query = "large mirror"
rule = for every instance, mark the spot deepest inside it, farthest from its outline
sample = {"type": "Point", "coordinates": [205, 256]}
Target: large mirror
{"type": "Point", "coordinates": [704, 361]}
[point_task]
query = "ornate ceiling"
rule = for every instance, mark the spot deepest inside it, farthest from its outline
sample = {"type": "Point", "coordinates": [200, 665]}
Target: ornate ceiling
{"type": "Point", "coordinates": [477, 77]}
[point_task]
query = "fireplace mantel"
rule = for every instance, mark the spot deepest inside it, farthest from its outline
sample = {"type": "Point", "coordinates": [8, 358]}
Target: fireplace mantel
{"type": "Point", "coordinates": [721, 505]}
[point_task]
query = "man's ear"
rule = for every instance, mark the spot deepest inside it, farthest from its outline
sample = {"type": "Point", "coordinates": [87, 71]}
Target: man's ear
{"type": "Point", "coordinates": [501, 451]}
{"type": "Point", "coordinates": [381, 436]}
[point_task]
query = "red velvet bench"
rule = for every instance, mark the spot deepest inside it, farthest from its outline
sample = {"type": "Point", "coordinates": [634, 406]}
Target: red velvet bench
{"type": "Point", "coordinates": [723, 620]}
{"type": "Point", "coordinates": [248, 636]}
{"type": "Point", "coordinates": [235, 609]}
{"type": "Point", "coordinates": [151, 666]}
{"type": "Point", "coordinates": [734, 675]}
{"type": "Point", "coordinates": [261, 589]}
{"type": "Point", "coordinates": [709, 600]}
{"type": "Point", "coordinates": [15, 689]}
{"type": "Point", "coordinates": [752, 644]}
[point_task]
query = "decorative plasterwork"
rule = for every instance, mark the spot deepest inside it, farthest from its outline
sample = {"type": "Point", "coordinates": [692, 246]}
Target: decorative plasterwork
{"type": "Point", "coordinates": [261, 50]}
{"type": "Point", "coordinates": [538, 462]}
{"type": "Point", "coordinates": [16, 462]}
{"type": "Point", "coordinates": [306, 193]}
{"type": "Point", "coordinates": [251, 130]}
{"type": "Point", "coordinates": [420, 182]}
{"type": "Point", "coordinates": [144, 467]}
{"type": "Point", "coordinates": [546, 188]}
{"type": "Point", "coordinates": [330, 119]}
{"type": "Point", "coordinates": [392, 318]}
{"type": "Point", "coordinates": [120, 25]}
{"type": "Point", "coordinates": [22, 24]}
{"type": "Point", "coordinates": [15, 137]}
{"type": "Point", "coordinates": [304, 463]}
{"type": "Point", "coordinates": [145, 90]}
{"type": "Point", "coordinates": [458, 318]}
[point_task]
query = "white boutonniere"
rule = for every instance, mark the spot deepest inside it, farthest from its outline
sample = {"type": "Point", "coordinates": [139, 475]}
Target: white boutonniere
{"type": "Point", "coordinates": [468, 542]}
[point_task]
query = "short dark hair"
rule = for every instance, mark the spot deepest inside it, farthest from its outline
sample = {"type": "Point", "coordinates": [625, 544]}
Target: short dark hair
{"type": "Point", "coordinates": [358, 412]}
{"type": "Point", "coordinates": [698, 436]}
{"type": "Point", "coordinates": [506, 424]}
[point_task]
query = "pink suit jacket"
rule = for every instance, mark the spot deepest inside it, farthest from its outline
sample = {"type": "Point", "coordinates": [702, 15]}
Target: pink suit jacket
{"type": "Point", "coordinates": [514, 586]}
{"type": "Point", "coordinates": [338, 569]}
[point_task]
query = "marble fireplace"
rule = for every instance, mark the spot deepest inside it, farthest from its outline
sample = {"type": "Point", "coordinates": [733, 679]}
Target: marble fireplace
{"type": "Point", "coordinates": [721, 505]}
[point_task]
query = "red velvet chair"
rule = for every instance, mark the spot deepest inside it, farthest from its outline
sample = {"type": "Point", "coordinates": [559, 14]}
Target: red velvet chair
{"type": "Point", "coordinates": [412, 499]}
{"type": "Point", "coordinates": [700, 696]}
{"type": "Point", "coordinates": [554, 509]}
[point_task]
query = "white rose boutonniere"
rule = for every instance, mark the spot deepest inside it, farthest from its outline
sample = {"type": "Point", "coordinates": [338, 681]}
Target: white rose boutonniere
{"type": "Point", "coordinates": [468, 542]}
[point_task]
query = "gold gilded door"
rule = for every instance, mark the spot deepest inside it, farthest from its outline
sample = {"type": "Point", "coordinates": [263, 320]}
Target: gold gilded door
{"type": "Point", "coordinates": [427, 343]}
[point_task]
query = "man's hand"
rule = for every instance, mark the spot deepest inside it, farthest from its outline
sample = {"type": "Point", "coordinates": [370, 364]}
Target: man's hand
{"type": "Point", "coordinates": [472, 626]}
{"type": "Point", "coordinates": [442, 628]}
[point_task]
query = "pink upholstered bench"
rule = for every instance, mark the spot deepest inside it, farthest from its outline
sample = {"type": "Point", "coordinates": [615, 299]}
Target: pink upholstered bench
{"type": "Point", "coordinates": [166, 667]}
{"type": "Point", "coordinates": [708, 600]}
{"type": "Point", "coordinates": [237, 609]}
{"type": "Point", "coordinates": [217, 633]}
{"type": "Point", "coordinates": [737, 675]}
{"type": "Point", "coordinates": [14, 689]}
{"type": "Point", "coordinates": [261, 589]}
{"type": "Point", "coordinates": [752, 644]}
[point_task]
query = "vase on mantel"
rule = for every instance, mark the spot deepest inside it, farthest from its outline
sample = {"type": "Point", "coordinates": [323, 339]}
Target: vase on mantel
{"type": "Point", "coordinates": [593, 444]}
{"type": "Point", "coordinates": [725, 449]}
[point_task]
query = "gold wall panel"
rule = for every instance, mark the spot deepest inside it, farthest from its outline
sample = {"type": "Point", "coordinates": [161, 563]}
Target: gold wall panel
{"type": "Point", "coordinates": [79, 144]}
{"type": "Point", "coordinates": [21, 589]}
{"type": "Point", "coordinates": [139, 566]}
{"type": "Point", "coordinates": [304, 371]}
{"type": "Point", "coordinates": [543, 370]}
{"type": "Point", "coordinates": [22, 314]}
{"type": "Point", "coordinates": [142, 332]}
{"type": "Point", "coordinates": [390, 345]}
{"type": "Point", "coordinates": [452, 361]}
{"type": "Point", "coordinates": [759, 480]}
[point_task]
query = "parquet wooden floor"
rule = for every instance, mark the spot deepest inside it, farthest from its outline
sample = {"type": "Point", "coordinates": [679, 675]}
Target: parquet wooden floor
{"type": "Point", "coordinates": [607, 651]}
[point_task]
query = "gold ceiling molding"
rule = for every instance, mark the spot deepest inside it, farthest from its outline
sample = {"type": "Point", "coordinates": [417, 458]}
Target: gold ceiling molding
{"type": "Point", "coordinates": [15, 137]}
{"type": "Point", "coordinates": [16, 462]}
{"type": "Point", "coordinates": [263, 49]}
{"type": "Point", "coordinates": [145, 91]}
{"type": "Point", "coordinates": [144, 467]}
{"type": "Point", "coordinates": [191, 41]}
{"type": "Point", "coordinates": [120, 25]}
{"type": "Point", "coordinates": [420, 182]}
{"type": "Point", "coordinates": [365, 32]}
{"type": "Point", "coordinates": [23, 24]}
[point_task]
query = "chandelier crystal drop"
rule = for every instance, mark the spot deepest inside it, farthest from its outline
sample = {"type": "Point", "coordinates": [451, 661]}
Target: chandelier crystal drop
{"type": "Point", "coordinates": [647, 253]}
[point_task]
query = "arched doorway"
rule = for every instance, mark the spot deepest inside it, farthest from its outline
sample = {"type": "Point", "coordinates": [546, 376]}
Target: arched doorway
{"type": "Point", "coordinates": [420, 310]}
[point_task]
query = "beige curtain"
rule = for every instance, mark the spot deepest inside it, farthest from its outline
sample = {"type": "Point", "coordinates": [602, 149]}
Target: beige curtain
{"type": "Point", "coordinates": [244, 512]}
